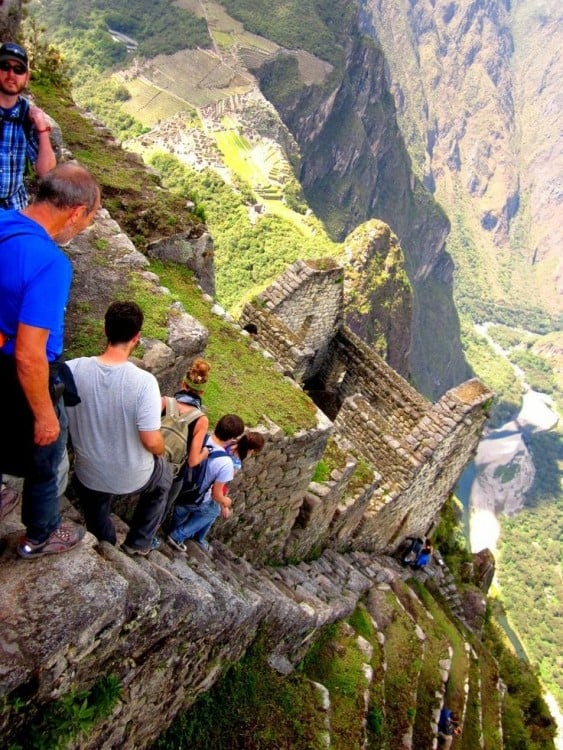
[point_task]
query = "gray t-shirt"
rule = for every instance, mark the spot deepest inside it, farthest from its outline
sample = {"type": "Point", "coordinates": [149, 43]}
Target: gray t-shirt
{"type": "Point", "coordinates": [117, 401]}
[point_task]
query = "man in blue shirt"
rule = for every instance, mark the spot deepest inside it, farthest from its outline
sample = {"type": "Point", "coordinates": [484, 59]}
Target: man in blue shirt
{"type": "Point", "coordinates": [24, 131]}
{"type": "Point", "coordinates": [35, 278]}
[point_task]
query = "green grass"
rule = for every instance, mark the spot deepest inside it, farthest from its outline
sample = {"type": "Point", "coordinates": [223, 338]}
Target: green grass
{"type": "Point", "coordinates": [248, 256]}
{"type": "Point", "coordinates": [336, 662]}
{"type": "Point", "coordinates": [460, 665]}
{"type": "Point", "coordinates": [70, 717]}
{"type": "Point", "coordinates": [472, 724]}
{"type": "Point", "coordinates": [526, 722]}
{"type": "Point", "coordinates": [242, 380]}
{"type": "Point", "coordinates": [403, 653]}
{"type": "Point", "coordinates": [322, 472]}
{"type": "Point", "coordinates": [255, 166]}
{"type": "Point", "coordinates": [429, 683]}
{"type": "Point", "coordinates": [491, 702]}
{"type": "Point", "coordinates": [132, 195]}
{"type": "Point", "coordinates": [252, 707]}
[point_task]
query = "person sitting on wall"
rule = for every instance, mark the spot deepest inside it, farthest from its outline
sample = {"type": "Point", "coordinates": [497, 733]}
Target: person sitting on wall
{"type": "Point", "coordinates": [414, 547]}
{"type": "Point", "coordinates": [194, 520]}
{"type": "Point", "coordinates": [115, 432]}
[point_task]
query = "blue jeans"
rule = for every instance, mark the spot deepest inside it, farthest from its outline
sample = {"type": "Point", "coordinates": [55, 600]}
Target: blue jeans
{"type": "Point", "coordinates": [22, 458]}
{"type": "Point", "coordinates": [40, 497]}
{"type": "Point", "coordinates": [148, 513]}
{"type": "Point", "coordinates": [194, 521]}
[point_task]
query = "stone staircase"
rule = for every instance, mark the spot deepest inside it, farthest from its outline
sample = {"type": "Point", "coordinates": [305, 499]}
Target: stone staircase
{"type": "Point", "coordinates": [169, 625]}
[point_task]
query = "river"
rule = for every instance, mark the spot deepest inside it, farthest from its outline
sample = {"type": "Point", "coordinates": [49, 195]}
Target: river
{"type": "Point", "coordinates": [498, 478]}
{"type": "Point", "coordinates": [503, 471]}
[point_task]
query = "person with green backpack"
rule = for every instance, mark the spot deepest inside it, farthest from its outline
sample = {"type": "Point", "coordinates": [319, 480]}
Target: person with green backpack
{"type": "Point", "coordinates": [184, 426]}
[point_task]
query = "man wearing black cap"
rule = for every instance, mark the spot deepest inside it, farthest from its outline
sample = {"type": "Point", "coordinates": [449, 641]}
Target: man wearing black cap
{"type": "Point", "coordinates": [24, 132]}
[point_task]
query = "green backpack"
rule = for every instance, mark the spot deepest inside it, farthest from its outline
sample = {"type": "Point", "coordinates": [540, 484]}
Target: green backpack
{"type": "Point", "coordinates": [175, 428]}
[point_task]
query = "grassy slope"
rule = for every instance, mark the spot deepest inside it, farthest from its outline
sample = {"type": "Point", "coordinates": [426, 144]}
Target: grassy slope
{"type": "Point", "coordinates": [243, 381]}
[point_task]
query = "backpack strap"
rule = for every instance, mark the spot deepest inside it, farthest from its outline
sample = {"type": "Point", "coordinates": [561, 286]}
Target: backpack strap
{"type": "Point", "coordinates": [23, 116]}
{"type": "Point", "coordinates": [191, 416]}
{"type": "Point", "coordinates": [216, 453]}
{"type": "Point", "coordinates": [172, 407]}
{"type": "Point", "coordinates": [172, 410]}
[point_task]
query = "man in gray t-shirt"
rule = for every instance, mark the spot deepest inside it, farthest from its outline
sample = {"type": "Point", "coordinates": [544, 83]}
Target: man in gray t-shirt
{"type": "Point", "coordinates": [115, 432]}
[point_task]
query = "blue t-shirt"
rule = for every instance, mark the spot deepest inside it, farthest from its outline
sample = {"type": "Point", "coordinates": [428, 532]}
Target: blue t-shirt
{"type": "Point", "coordinates": [219, 469]}
{"type": "Point", "coordinates": [423, 559]}
{"type": "Point", "coordinates": [35, 278]}
{"type": "Point", "coordinates": [445, 725]}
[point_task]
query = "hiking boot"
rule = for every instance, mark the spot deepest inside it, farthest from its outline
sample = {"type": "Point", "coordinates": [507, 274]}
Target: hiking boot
{"type": "Point", "coordinates": [62, 539]}
{"type": "Point", "coordinates": [178, 545]}
{"type": "Point", "coordinates": [133, 551]}
{"type": "Point", "coordinates": [8, 500]}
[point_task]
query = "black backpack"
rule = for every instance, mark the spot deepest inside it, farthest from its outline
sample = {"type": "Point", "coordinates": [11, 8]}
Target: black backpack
{"type": "Point", "coordinates": [193, 490]}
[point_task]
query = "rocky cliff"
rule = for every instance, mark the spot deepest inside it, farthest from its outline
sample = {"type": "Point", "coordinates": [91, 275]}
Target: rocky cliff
{"type": "Point", "coordinates": [475, 88]}
{"type": "Point", "coordinates": [355, 166]}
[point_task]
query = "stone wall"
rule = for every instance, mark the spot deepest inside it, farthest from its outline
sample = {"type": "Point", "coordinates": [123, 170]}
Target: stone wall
{"type": "Point", "coordinates": [308, 300]}
{"type": "Point", "coordinates": [398, 403]}
{"type": "Point", "coordinates": [438, 449]}
{"type": "Point", "coordinates": [283, 344]}
{"type": "Point", "coordinates": [416, 450]}
{"type": "Point", "coordinates": [268, 494]}
{"type": "Point", "coordinates": [167, 627]}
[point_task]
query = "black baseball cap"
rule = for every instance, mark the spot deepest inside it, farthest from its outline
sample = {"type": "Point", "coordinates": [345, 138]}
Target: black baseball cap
{"type": "Point", "coordinates": [11, 51]}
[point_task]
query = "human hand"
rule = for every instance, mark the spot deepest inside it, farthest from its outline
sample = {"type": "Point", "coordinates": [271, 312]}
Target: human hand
{"type": "Point", "coordinates": [46, 429]}
{"type": "Point", "coordinates": [226, 512]}
{"type": "Point", "coordinates": [37, 117]}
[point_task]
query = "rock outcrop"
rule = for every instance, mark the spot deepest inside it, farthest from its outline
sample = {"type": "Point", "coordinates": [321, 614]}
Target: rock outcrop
{"type": "Point", "coordinates": [354, 167]}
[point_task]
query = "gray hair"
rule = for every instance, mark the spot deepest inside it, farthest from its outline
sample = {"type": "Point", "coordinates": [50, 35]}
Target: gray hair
{"type": "Point", "coordinates": [68, 185]}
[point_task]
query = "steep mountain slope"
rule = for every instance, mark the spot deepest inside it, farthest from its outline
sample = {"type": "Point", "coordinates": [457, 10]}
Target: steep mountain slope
{"type": "Point", "coordinates": [355, 166]}
{"type": "Point", "coordinates": [341, 138]}
{"type": "Point", "coordinates": [476, 87]}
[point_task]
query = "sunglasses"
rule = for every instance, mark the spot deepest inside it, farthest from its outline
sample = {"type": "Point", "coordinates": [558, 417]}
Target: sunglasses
{"type": "Point", "coordinates": [18, 69]}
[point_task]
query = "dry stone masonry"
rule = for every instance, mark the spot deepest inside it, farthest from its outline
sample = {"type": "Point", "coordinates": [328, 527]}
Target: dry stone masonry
{"type": "Point", "coordinates": [416, 450]}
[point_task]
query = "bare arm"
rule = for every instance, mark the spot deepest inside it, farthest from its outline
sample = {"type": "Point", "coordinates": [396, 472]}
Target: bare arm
{"type": "Point", "coordinates": [197, 452]}
{"type": "Point", "coordinates": [218, 494]}
{"type": "Point", "coordinates": [46, 159]}
{"type": "Point", "coordinates": [152, 441]}
{"type": "Point", "coordinates": [33, 373]}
